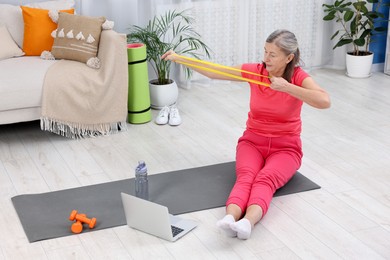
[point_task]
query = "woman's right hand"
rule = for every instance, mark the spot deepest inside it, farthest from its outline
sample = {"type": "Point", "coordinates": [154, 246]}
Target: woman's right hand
{"type": "Point", "coordinates": [169, 55]}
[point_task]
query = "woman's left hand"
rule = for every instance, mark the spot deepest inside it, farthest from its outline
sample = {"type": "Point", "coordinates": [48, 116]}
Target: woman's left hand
{"type": "Point", "coordinates": [279, 84]}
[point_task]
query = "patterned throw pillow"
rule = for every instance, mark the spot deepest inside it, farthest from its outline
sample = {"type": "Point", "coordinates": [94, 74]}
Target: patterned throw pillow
{"type": "Point", "coordinates": [77, 37]}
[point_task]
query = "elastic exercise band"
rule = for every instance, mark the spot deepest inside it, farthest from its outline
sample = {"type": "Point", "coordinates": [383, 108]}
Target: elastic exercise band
{"type": "Point", "coordinates": [221, 66]}
{"type": "Point", "coordinates": [224, 73]}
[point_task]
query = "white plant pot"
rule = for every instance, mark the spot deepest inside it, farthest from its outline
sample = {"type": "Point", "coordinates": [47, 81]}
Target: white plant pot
{"type": "Point", "coordinates": [163, 95]}
{"type": "Point", "coordinates": [359, 66]}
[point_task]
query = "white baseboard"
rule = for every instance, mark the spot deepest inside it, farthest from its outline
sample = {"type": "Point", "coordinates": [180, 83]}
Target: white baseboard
{"type": "Point", "coordinates": [378, 67]}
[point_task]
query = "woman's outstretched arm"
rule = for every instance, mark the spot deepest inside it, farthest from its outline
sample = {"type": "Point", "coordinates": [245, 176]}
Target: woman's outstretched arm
{"type": "Point", "coordinates": [172, 56]}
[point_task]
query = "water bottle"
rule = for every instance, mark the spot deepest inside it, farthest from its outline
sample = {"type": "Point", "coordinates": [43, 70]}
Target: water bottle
{"type": "Point", "coordinates": [141, 181]}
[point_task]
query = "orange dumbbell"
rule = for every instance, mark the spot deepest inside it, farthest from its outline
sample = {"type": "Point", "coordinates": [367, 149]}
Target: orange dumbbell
{"type": "Point", "coordinates": [82, 218]}
{"type": "Point", "coordinates": [77, 227]}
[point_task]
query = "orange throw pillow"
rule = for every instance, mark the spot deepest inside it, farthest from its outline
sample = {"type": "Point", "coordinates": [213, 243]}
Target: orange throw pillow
{"type": "Point", "coordinates": [37, 30]}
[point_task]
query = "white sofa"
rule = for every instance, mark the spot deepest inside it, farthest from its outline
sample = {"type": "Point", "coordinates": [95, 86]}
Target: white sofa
{"type": "Point", "coordinates": [21, 82]}
{"type": "Point", "coordinates": [22, 78]}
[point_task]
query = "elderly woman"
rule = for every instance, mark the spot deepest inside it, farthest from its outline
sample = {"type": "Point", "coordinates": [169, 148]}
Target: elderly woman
{"type": "Point", "coordinates": [269, 151]}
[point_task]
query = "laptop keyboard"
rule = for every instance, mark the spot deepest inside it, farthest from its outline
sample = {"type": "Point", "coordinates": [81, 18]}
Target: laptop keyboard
{"type": "Point", "coordinates": [176, 230]}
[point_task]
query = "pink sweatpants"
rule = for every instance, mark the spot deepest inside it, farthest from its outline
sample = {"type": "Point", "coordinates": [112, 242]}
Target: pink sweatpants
{"type": "Point", "coordinates": [263, 165]}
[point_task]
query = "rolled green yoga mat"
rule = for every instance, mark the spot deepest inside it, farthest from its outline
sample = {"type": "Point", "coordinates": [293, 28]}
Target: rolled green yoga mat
{"type": "Point", "coordinates": [139, 110]}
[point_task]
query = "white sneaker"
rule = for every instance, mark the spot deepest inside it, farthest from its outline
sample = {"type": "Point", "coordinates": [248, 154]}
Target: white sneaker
{"type": "Point", "coordinates": [163, 116]}
{"type": "Point", "coordinates": [174, 116]}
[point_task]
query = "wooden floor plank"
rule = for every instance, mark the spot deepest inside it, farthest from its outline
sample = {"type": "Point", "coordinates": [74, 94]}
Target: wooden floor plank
{"type": "Point", "coordinates": [330, 233]}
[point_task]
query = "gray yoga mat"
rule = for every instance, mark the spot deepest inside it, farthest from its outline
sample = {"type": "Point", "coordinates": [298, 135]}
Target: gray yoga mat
{"type": "Point", "coordinates": [45, 215]}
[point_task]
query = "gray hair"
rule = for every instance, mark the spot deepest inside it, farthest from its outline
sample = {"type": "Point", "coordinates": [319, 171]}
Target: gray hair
{"type": "Point", "coordinates": [288, 43]}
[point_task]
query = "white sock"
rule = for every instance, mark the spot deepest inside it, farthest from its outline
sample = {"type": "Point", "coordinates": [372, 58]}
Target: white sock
{"type": "Point", "coordinates": [243, 228]}
{"type": "Point", "coordinates": [225, 223]}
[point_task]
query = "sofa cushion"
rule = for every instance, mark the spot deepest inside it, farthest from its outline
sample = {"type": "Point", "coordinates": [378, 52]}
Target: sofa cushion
{"type": "Point", "coordinates": [11, 16]}
{"type": "Point", "coordinates": [38, 27]}
{"type": "Point", "coordinates": [77, 37]}
{"type": "Point", "coordinates": [8, 48]}
{"type": "Point", "coordinates": [25, 91]}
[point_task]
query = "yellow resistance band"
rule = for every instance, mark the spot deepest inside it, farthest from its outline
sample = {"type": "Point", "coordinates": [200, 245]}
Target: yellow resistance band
{"type": "Point", "coordinates": [220, 72]}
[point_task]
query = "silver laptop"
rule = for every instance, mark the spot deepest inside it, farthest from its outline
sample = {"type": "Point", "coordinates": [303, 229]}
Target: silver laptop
{"type": "Point", "coordinates": [154, 219]}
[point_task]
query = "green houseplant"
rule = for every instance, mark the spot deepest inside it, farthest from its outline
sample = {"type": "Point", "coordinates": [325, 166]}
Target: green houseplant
{"type": "Point", "coordinates": [171, 31]}
{"type": "Point", "coordinates": [357, 28]}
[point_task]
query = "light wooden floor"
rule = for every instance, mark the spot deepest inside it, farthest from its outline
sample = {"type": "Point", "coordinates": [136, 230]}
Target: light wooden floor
{"type": "Point", "coordinates": [347, 152]}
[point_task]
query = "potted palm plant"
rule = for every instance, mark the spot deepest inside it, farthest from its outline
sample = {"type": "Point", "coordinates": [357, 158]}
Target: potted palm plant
{"type": "Point", "coordinates": [170, 31]}
{"type": "Point", "coordinates": [357, 28]}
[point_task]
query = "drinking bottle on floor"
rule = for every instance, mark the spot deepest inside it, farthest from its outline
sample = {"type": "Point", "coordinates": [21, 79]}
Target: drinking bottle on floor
{"type": "Point", "coordinates": [141, 181]}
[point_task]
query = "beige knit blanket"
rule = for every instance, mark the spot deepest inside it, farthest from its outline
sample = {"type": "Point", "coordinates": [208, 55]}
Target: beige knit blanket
{"type": "Point", "coordinates": [79, 101]}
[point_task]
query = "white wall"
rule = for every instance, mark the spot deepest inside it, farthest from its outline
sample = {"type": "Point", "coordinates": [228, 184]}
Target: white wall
{"type": "Point", "coordinates": [123, 12]}
{"type": "Point", "coordinates": [22, 2]}
{"type": "Point", "coordinates": [129, 12]}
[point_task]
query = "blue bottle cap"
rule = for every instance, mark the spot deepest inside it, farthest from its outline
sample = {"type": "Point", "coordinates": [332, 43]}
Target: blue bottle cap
{"type": "Point", "coordinates": [141, 168]}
